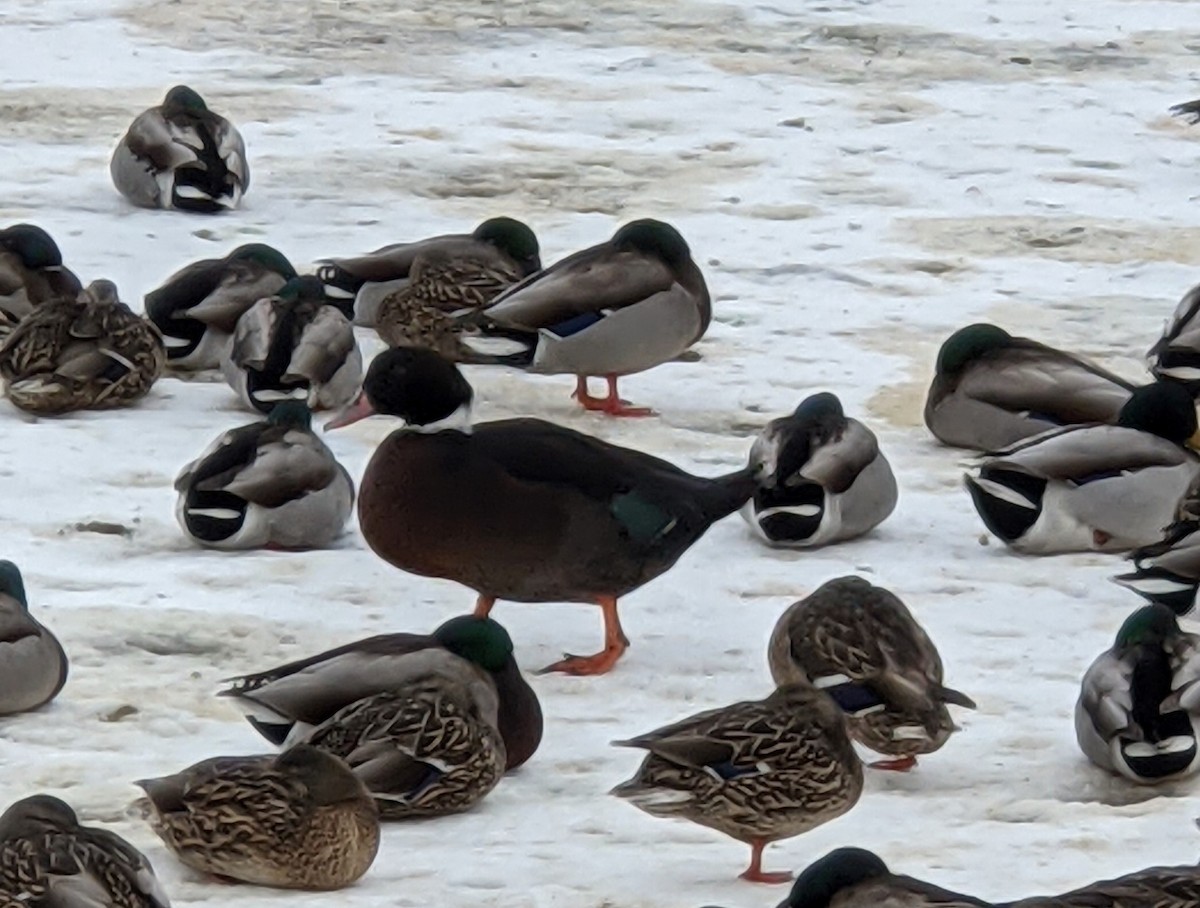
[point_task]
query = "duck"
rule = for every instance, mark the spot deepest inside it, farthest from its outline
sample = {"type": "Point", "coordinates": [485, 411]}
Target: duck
{"type": "Point", "coordinates": [292, 346]}
{"type": "Point", "coordinates": [181, 155]}
{"type": "Point", "coordinates": [89, 353]}
{"type": "Point", "coordinates": [31, 272]}
{"type": "Point", "coordinates": [284, 704]}
{"type": "Point", "coordinates": [861, 645]}
{"type": "Point", "coordinates": [198, 307]}
{"type": "Point", "coordinates": [270, 484]}
{"type": "Point", "coordinates": [825, 478]}
{"type": "Point", "coordinates": [47, 857]}
{"type": "Point", "coordinates": [548, 514]}
{"type": "Point", "coordinates": [1093, 487]}
{"type": "Point", "coordinates": [33, 664]}
{"type": "Point", "coordinates": [1138, 711]}
{"type": "Point", "coordinates": [858, 878]}
{"type": "Point", "coordinates": [363, 282]}
{"type": "Point", "coordinates": [1168, 571]}
{"type": "Point", "coordinates": [757, 771]}
{"type": "Point", "coordinates": [296, 820]}
{"type": "Point", "coordinates": [1175, 356]}
{"type": "Point", "coordinates": [992, 390]}
{"type": "Point", "coordinates": [620, 307]}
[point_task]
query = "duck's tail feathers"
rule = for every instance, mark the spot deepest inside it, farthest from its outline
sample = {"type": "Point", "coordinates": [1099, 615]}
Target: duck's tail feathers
{"type": "Point", "coordinates": [1161, 586]}
{"type": "Point", "coordinates": [955, 697]}
{"type": "Point", "coordinates": [1009, 503]}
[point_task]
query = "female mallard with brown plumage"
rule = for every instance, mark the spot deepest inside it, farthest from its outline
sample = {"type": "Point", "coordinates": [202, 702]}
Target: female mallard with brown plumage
{"type": "Point", "coordinates": [758, 771]}
{"type": "Point", "coordinates": [89, 353]}
{"type": "Point", "coordinates": [862, 646]}
{"type": "Point", "coordinates": [299, 820]}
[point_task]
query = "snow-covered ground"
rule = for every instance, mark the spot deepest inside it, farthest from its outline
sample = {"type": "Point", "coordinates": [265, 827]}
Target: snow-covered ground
{"type": "Point", "coordinates": [856, 178]}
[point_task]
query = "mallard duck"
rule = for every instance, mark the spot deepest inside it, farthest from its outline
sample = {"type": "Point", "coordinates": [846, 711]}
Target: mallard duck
{"type": "Point", "coordinates": [364, 281]}
{"type": "Point", "coordinates": [1168, 571]}
{"type": "Point", "coordinates": [90, 353]}
{"type": "Point", "coordinates": [31, 272]}
{"type": "Point", "coordinates": [285, 703]}
{"type": "Point", "coordinates": [299, 820]}
{"type": "Point", "coordinates": [1104, 488]}
{"type": "Point", "coordinates": [758, 771]}
{"type": "Point", "coordinates": [548, 514]}
{"type": "Point", "coordinates": [624, 306]}
{"type": "Point", "coordinates": [1176, 355]}
{"type": "Point", "coordinates": [47, 858]}
{"type": "Point", "coordinates": [272, 483]}
{"type": "Point", "coordinates": [1138, 711]}
{"type": "Point", "coordinates": [825, 477]}
{"type": "Point", "coordinates": [33, 665]}
{"type": "Point", "coordinates": [992, 389]}
{"type": "Point", "coordinates": [292, 346]}
{"type": "Point", "coordinates": [180, 154]}
{"type": "Point", "coordinates": [857, 878]}
{"type": "Point", "coordinates": [862, 646]}
{"type": "Point", "coordinates": [198, 307]}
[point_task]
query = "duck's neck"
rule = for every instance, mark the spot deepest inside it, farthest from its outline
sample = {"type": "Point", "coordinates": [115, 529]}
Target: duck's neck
{"type": "Point", "coordinates": [458, 421]}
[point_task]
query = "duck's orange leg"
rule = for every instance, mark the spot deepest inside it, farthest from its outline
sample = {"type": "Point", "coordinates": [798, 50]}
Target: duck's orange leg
{"type": "Point", "coordinates": [483, 605]}
{"type": "Point", "coordinates": [900, 764]}
{"type": "Point", "coordinates": [615, 644]}
{"type": "Point", "coordinates": [754, 873]}
{"type": "Point", "coordinates": [612, 405]}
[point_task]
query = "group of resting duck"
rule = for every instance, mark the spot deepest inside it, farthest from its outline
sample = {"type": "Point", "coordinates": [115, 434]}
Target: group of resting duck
{"type": "Point", "coordinates": [413, 725]}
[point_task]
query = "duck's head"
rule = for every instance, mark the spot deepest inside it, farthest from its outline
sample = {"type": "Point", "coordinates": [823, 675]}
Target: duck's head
{"type": "Point", "coordinates": [818, 417]}
{"type": "Point", "coordinates": [418, 385]}
{"type": "Point", "coordinates": [35, 815]}
{"type": "Point", "coordinates": [267, 256]}
{"type": "Point", "coordinates": [656, 237]}
{"type": "Point", "coordinates": [328, 779]}
{"type": "Point", "coordinates": [183, 97]}
{"type": "Point", "coordinates": [100, 292]}
{"type": "Point", "coordinates": [514, 238]}
{"type": "Point", "coordinates": [842, 868]}
{"type": "Point", "coordinates": [306, 287]}
{"type": "Point", "coordinates": [969, 343]}
{"type": "Point", "coordinates": [293, 414]}
{"type": "Point", "coordinates": [11, 582]}
{"type": "Point", "coordinates": [1162, 408]}
{"type": "Point", "coordinates": [1149, 625]}
{"type": "Point", "coordinates": [32, 245]}
{"type": "Point", "coordinates": [479, 640]}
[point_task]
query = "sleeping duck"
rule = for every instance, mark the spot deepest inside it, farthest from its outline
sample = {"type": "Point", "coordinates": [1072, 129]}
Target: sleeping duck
{"type": "Point", "coordinates": [548, 514]}
{"type": "Point", "coordinates": [757, 771]}
{"type": "Point", "coordinates": [198, 307]}
{"type": "Point", "coordinates": [292, 346]}
{"type": "Point", "coordinates": [361, 283]}
{"type": "Point", "coordinates": [992, 389]}
{"type": "Point", "coordinates": [1138, 711]}
{"type": "Point", "coordinates": [825, 478]}
{"type": "Point", "coordinates": [180, 154]}
{"type": "Point", "coordinates": [624, 306]}
{"type": "Point", "coordinates": [862, 646]}
{"type": "Point", "coordinates": [1095, 487]}
{"type": "Point", "coordinates": [33, 665]}
{"type": "Point", "coordinates": [31, 272]}
{"type": "Point", "coordinates": [270, 484]}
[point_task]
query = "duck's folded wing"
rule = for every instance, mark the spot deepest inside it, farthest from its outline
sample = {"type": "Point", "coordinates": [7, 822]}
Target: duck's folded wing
{"type": "Point", "coordinates": [1105, 696]}
{"type": "Point", "coordinates": [238, 286]}
{"type": "Point", "coordinates": [1046, 383]}
{"type": "Point", "coordinates": [323, 347]}
{"type": "Point", "coordinates": [1162, 887]}
{"type": "Point", "coordinates": [282, 470]}
{"type": "Point", "coordinates": [836, 464]}
{"type": "Point", "coordinates": [1082, 452]}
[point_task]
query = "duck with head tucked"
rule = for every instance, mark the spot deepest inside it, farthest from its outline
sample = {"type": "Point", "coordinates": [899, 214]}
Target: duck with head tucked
{"type": "Point", "coordinates": [48, 858]}
{"type": "Point", "coordinates": [31, 273]}
{"type": "Point", "coordinates": [33, 665]}
{"type": "Point", "coordinates": [862, 646]}
{"type": "Point", "coordinates": [500, 251]}
{"type": "Point", "coordinates": [992, 389]}
{"type": "Point", "coordinates": [1093, 487]}
{"type": "Point", "coordinates": [198, 307]}
{"type": "Point", "coordinates": [179, 154]}
{"type": "Point", "coordinates": [548, 514]}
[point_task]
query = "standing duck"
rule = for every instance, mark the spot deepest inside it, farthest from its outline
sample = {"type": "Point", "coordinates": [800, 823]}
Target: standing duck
{"type": "Point", "coordinates": [758, 771]}
{"type": "Point", "coordinates": [31, 272]}
{"type": "Point", "coordinates": [48, 858]}
{"type": "Point", "coordinates": [548, 514]}
{"type": "Point", "coordinates": [198, 307]}
{"type": "Point", "coordinates": [287, 702]}
{"type": "Point", "coordinates": [1098, 487]}
{"type": "Point", "coordinates": [272, 483]}
{"type": "Point", "coordinates": [825, 478]}
{"type": "Point", "coordinates": [299, 820]}
{"type": "Point", "coordinates": [992, 389]}
{"type": "Point", "coordinates": [1138, 711]}
{"type": "Point", "coordinates": [363, 282]}
{"type": "Point", "coordinates": [33, 665]}
{"type": "Point", "coordinates": [181, 155]}
{"type": "Point", "coordinates": [90, 353]}
{"type": "Point", "coordinates": [862, 646]}
{"type": "Point", "coordinates": [292, 346]}
{"type": "Point", "coordinates": [621, 307]}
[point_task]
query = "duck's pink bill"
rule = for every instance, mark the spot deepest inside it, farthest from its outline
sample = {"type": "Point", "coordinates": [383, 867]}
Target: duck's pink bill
{"type": "Point", "coordinates": [359, 408]}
